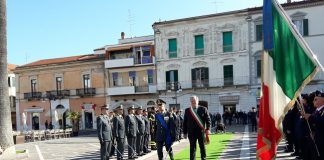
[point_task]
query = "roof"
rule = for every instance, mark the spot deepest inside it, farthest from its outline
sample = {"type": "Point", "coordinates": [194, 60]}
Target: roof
{"type": "Point", "coordinates": [297, 4]}
{"type": "Point", "coordinates": [85, 57]}
{"type": "Point", "coordinates": [11, 67]}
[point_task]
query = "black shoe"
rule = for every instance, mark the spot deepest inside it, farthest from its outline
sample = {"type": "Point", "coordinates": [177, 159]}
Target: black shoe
{"type": "Point", "coordinates": [294, 154]}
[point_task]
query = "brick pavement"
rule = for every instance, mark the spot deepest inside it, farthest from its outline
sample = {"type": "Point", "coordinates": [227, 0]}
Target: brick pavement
{"type": "Point", "coordinates": [86, 147]}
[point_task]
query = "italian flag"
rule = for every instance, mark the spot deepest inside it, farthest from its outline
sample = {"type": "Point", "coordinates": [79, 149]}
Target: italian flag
{"type": "Point", "coordinates": [288, 65]}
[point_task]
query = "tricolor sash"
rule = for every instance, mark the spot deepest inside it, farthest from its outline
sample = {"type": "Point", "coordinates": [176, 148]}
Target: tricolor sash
{"type": "Point", "coordinates": [168, 140]}
{"type": "Point", "coordinates": [201, 125]}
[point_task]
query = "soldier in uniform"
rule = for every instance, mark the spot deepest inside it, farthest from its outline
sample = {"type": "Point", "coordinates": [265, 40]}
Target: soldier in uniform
{"type": "Point", "coordinates": [119, 131]}
{"type": "Point", "coordinates": [163, 131]}
{"type": "Point", "coordinates": [147, 132]}
{"type": "Point", "coordinates": [104, 133]}
{"type": "Point", "coordinates": [130, 130]}
{"type": "Point", "coordinates": [113, 141]}
{"type": "Point", "coordinates": [151, 117]}
{"type": "Point", "coordinates": [317, 121]}
{"type": "Point", "coordinates": [140, 131]}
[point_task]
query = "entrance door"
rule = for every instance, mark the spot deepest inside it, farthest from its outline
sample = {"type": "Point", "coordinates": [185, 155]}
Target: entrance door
{"type": "Point", "coordinates": [229, 108]}
{"type": "Point", "coordinates": [35, 121]}
{"type": "Point", "coordinates": [88, 120]}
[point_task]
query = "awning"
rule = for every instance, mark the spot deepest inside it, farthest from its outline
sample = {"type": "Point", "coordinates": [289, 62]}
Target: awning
{"type": "Point", "coordinates": [119, 48]}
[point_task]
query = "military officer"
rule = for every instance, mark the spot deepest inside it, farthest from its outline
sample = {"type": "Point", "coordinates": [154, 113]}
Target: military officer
{"type": "Point", "coordinates": [147, 132]}
{"type": "Point", "coordinates": [140, 131]}
{"type": "Point", "coordinates": [104, 133]}
{"type": "Point", "coordinates": [131, 130]}
{"type": "Point", "coordinates": [119, 131]}
{"type": "Point", "coordinates": [316, 120]}
{"type": "Point", "coordinates": [163, 131]}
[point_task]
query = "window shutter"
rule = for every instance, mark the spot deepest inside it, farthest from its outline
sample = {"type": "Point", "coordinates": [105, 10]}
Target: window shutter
{"type": "Point", "coordinates": [167, 75]}
{"type": "Point", "coordinates": [175, 75]}
{"type": "Point", "coordinates": [193, 74]}
{"type": "Point", "coordinates": [206, 73]}
{"type": "Point", "coordinates": [305, 27]}
{"type": "Point", "coordinates": [227, 41]}
{"type": "Point", "coordinates": [258, 32]}
{"type": "Point", "coordinates": [199, 41]}
{"type": "Point", "coordinates": [258, 68]}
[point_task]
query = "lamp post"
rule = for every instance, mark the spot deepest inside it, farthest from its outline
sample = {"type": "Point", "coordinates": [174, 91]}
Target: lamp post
{"type": "Point", "coordinates": [176, 87]}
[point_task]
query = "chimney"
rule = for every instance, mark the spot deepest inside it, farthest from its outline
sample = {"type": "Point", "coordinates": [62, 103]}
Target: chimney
{"type": "Point", "coordinates": [288, 1]}
{"type": "Point", "coordinates": [122, 35]}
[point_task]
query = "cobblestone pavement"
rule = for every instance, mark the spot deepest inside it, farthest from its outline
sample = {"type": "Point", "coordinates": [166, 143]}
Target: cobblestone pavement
{"type": "Point", "coordinates": [242, 146]}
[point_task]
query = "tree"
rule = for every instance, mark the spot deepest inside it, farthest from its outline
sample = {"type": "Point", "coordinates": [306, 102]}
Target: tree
{"type": "Point", "coordinates": [6, 137]}
{"type": "Point", "coordinates": [75, 119]}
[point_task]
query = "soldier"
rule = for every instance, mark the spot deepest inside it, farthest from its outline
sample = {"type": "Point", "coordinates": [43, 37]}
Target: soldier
{"type": "Point", "coordinates": [147, 132]}
{"type": "Point", "coordinates": [140, 131]}
{"type": "Point", "coordinates": [151, 118]}
{"type": "Point", "coordinates": [113, 141]}
{"type": "Point", "coordinates": [163, 133]}
{"type": "Point", "coordinates": [130, 130]}
{"type": "Point", "coordinates": [317, 121]}
{"type": "Point", "coordinates": [104, 133]}
{"type": "Point", "coordinates": [119, 131]}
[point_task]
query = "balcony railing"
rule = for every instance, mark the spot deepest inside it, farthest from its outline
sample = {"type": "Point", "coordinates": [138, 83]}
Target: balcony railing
{"type": "Point", "coordinates": [141, 88]}
{"type": "Point", "coordinates": [83, 92]}
{"type": "Point", "coordinates": [228, 81]}
{"type": "Point", "coordinates": [200, 83]}
{"type": "Point", "coordinates": [172, 86]}
{"type": "Point", "coordinates": [58, 94]}
{"type": "Point", "coordinates": [33, 95]}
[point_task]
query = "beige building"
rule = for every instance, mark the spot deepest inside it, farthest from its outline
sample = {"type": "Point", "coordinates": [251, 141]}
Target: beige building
{"type": "Point", "coordinates": [130, 67]}
{"type": "Point", "coordinates": [12, 93]}
{"type": "Point", "coordinates": [48, 89]}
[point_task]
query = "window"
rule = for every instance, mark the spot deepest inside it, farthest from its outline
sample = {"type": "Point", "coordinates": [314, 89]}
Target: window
{"type": "Point", "coordinates": [59, 85]}
{"type": "Point", "coordinates": [9, 82]}
{"type": "Point", "coordinates": [228, 74]}
{"type": "Point", "coordinates": [172, 80]}
{"type": "Point", "coordinates": [115, 79]}
{"type": "Point", "coordinates": [258, 32]}
{"type": "Point", "coordinates": [199, 77]}
{"type": "Point", "coordinates": [302, 26]}
{"type": "Point", "coordinates": [132, 78]}
{"type": "Point", "coordinates": [173, 48]}
{"type": "Point", "coordinates": [258, 68]}
{"type": "Point", "coordinates": [199, 45]}
{"type": "Point", "coordinates": [86, 81]}
{"type": "Point", "coordinates": [150, 76]}
{"type": "Point", "coordinates": [33, 86]}
{"type": "Point", "coordinates": [227, 42]}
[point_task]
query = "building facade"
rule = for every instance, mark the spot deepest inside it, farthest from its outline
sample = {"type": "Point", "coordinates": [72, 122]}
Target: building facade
{"type": "Point", "coordinates": [131, 72]}
{"type": "Point", "coordinates": [48, 89]}
{"type": "Point", "coordinates": [12, 93]}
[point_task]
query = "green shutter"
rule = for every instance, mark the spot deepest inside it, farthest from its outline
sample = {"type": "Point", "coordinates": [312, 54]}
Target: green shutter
{"type": "Point", "coordinates": [228, 75]}
{"type": "Point", "coordinates": [172, 48]}
{"type": "Point", "coordinates": [199, 44]}
{"type": "Point", "coordinates": [206, 74]}
{"type": "Point", "coordinates": [305, 27]}
{"type": "Point", "coordinates": [193, 74]}
{"type": "Point", "coordinates": [227, 42]}
{"type": "Point", "coordinates": [258, 32]}
{"type": "Point", "coordinates": [175, 73]}
{"type": "Point", "coordinates": [167, 75]}
{"type": "Point", "coordinates": [258, 68]}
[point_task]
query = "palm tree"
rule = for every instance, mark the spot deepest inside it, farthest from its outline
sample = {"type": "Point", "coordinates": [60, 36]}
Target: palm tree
{"type": "Point", "coordinates": [6, 139]}
{"type": "Point", "coordinates": [75, 119]}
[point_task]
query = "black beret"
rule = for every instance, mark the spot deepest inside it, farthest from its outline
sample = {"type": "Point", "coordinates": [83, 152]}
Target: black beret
{"type": "Point", "coordinates": [160, 101]}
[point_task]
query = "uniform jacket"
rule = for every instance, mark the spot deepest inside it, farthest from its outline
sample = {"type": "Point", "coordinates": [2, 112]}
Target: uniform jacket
{"type": "Point", "coordinates": [160, 132]}
{"type": "Point", "coordinates": [140, 125]}
{"type": "Point", "coordinates": [190, 126]}
{"type": "Point", "coordinates": [104, 128]}
{"type": "Point", "coordinates": [118, 127]}
{"type": "Point", "coordinates": [130, 126]}
{"type": "Point", "coordinates": [147, 125]}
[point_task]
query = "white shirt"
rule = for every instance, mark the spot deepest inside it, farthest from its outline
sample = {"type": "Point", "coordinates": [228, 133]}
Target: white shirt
{"type": "Point", "coordinates": [318, 109]}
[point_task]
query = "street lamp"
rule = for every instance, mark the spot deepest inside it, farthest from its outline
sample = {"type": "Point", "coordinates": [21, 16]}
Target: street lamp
{"type": "Point", "coordinates": [176, 87]}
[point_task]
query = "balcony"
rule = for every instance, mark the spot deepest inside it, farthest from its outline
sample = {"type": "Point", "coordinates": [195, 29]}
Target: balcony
{"type": "Point", "coordinates": [200, 83]}
{"type": "Point", "coordinates": [126, 62]}
{"type": "Point", "coordinates": [33, 95]}
{"type": "Point", "coordinates": [121, 90]}
{"type": "Point", "coordinates": [58, 94]}
{"type": "Point", "coordinates": [85, 92]}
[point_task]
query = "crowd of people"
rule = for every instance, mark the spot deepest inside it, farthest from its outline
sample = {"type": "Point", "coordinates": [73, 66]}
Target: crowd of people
{"type": "Point", "coordinates": [303, 127]}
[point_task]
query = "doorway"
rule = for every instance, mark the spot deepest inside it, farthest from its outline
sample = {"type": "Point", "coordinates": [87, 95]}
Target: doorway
{"type": "Point", "coordinates": [88, 122]}
{"type": "Point", "coordinates": [35, 121]}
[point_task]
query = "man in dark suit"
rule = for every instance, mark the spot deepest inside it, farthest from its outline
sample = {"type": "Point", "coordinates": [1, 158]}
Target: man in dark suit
{"type": "Point", "coordinates": [104, 133]}
{"type": "Point", "coordinates": [147, 132]}
{"type": "Point", "coordinates": [253, 118]}
{"type": "Point", "coordinates": [195, 130]}
{"type": "Point", "coordinates": [119, 131]}
{"type": "Point", "coordinates": [317, 121]}
{"type": "Point", "coordinates": [130, 130]}
{"type": "Point", "coordinates": [140, 131]}
{"type": "Point", "coordinates": [163, 131]}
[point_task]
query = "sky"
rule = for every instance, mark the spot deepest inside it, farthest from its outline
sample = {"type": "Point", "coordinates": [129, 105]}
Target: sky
{"type": "Point", "coordinates": [44, 29]}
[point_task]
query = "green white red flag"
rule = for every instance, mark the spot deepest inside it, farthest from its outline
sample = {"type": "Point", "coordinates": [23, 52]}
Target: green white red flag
{"type": "Point", "coordinates": [288, 65]}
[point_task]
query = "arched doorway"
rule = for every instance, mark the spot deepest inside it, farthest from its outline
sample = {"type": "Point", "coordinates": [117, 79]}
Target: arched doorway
{"type": "Point", "coordinates": [61, 121]}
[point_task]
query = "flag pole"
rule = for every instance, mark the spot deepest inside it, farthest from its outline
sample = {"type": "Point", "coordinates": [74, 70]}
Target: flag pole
{"type": "Point", "coordinates": [301, 107]}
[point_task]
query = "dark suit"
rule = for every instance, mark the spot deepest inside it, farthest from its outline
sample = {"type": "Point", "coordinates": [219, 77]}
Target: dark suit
{"type": "Point", "coordinates": [194, 132]}
{"type": "Point", "coordinates": [130, 130]}
{"type": "Point", "coordinates": [146, 134]}
{"type": "Point", "coordinates": [119, 134]}
{"type": "Point", "coordinates": [140, 134]}
{"type": "Point", "coordinates": [161, 134]}
{"type": "Point", "coordinates": [104, 135]}
{"type": "Point", "coordinates": [316, 120]}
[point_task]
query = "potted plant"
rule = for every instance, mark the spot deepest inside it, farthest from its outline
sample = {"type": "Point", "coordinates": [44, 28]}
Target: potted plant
{"type": "Point", "coordinates": [75, 119]}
